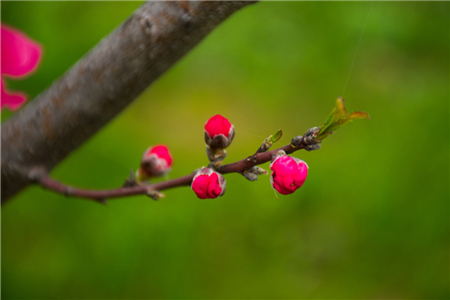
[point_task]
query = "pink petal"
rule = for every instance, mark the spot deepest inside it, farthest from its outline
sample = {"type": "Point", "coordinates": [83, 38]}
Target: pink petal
{"type": "Point", "coordinates": [208, 185]}
{"type": "Point", "coordinates": [200, 186]}
{"type": "Point", "coordinates": [161, 151]}
{"type": "Point", "coordinates": [281, 188]}
{"type": "Point", "coordinates": [214, 188]}
{"type": "Point", "coordinates": [285, 166]}
{"type": "Point", "coordinates": [300, 177]}
{"type": "Point", "coordinates": [286, 181]}
{"type": "Point", "coordinates": [19, 54]}
{"type": "Point", "coordinates": [218, 125]}
{"type": "Point", "coordinates": [288, 185]}
{"type": "Point", "coordinates": [11, 100]}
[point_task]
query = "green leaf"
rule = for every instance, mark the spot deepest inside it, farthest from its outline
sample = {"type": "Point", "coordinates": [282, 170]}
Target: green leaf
{"type": "Point", "coordinates": [337, 113]}
{"type": "Point", "coordinates": [337, 118]}
{"type": "Point", "coordinates": [274, 138]}
{"type": "Point", "coordinates": [353, 116]}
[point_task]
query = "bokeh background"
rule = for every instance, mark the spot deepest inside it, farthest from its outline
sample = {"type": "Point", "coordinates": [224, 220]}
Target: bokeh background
{"type": "Point", "coordinates": [371, 221]}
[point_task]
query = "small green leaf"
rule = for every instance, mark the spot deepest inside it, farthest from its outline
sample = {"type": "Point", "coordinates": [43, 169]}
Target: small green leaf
{"type": "Point", "coordinates": [337, 118]}
{"type": "Point", "coordinates": [337, 113]}
{"type": "Point", "coordinates": [339, 110]}
{"type": "Point", "coordinates": [358, 115]}
{"type": "Point", "coordinates": [353, 116]}
{"type": "Point", "coordinates": [274, 138]}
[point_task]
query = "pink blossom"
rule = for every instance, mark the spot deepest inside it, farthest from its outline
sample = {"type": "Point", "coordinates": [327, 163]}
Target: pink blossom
{"type": "Point", "coordinates": [219, 132]}
{"type": "Point", "coordinates": [156, 161]}
{"type": "Point", "coordinates": [20, 56]}
{"type": "Point", "coordinates": [208, 184]}
{"type": "Point", "coordinates": [289, 173]}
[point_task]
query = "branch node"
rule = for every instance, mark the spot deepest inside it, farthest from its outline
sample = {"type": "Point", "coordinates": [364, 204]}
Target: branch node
{"type": "Point", "coordinates": [265, 146]}
{"type": "Point", "coordinates": [279, 153]}
{"type": "Point", "coordinates": [297, 141]}
{"type": "Point", "coordinates": [130, 181]}
{"type": "Point", "coordinates": [313, 147]}
{"type": "Point", "coordinates": [215, 156]}
{"type": "Point", "coordinates": [153, 194]}
{"type": "Point", "coordinates": [310, 141]}
{"type": "Point", "coordinates": [253, 173]}
{"type": "Point", "coordinates": [67, 191]}
{"type": "Point", "coordinates": [37, 173]}
{"type": "Point", "coordinates": [259, 171]}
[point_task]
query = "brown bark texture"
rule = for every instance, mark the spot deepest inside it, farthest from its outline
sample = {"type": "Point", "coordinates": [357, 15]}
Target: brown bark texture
{"type": "Point", "coordinates": [102, 83]}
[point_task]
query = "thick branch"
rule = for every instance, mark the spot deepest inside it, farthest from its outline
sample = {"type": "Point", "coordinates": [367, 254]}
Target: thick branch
{"type": "Point", "coordinates": [102, 195]}
{"type": "Point", "coordinates": [103, 83]}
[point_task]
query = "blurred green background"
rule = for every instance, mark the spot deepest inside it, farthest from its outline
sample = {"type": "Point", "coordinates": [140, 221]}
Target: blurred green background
{"type": "Point", "coordinates": [371, 221]}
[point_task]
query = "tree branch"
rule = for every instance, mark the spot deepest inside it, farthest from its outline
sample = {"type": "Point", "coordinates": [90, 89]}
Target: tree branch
{"type": "Point", "coordinates": [102, 84]}
{"type": "Point", "coordinates": [102, 195]}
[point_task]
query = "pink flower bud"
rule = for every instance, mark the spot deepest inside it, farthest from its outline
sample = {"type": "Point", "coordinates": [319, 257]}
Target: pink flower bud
{"type": "Point", "coordinates": [218, 132]}
{"type": "Point", "coordinates": [289, 173]}
{"type": "Point", "coordinates": [156, 161]}
{"type": "Point", "coordinates": [20, 56]}
{"type": "Point", "coordinates": [208, 184]}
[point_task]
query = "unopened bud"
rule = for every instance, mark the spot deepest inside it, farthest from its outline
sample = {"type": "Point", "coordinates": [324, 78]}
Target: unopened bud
{"type": "Point", "coordinates": [313, 147]}
{"type": "Point", "coordinates": [258, 171]}
{"type": "Point", "coordinates": [252, 173]}
{"type": "Point", "coordinates": [288, 173]}
{"type": "Point", "coordinates": [208, 184]}
{"type": "Point", "coordinates": [310, 136]}
{"type": "Point", "coordinates": [219, 132]}
{"type": "Point", "coordinates": [155, 195]}
{"type": "Point", "coordinates": [250, 176]}
{"type": "Point", "coordinates": [297, 141]}
{"type": "Point", "coordinates": [156, 161]}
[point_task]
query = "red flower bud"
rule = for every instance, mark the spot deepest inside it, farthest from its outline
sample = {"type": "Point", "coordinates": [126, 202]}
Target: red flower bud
{"type": "Point", "coordinates": [208, 184]}
{"type": "Point", "coordinates": [289, 173]}
{"type": "Point", "coordinates": [219, 132]}
{"type": "Point", "coordinates": [156, 161]}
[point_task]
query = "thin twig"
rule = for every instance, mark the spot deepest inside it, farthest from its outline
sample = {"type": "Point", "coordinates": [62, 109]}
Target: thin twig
{"type": "Point", "coordinates": [101, 195]}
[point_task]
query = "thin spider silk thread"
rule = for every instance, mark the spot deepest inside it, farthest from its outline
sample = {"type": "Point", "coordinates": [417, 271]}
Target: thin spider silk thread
{"type": "Point", "coordinates": [240, 131]}
{"type": "Point", "coordinates": [357, 48]}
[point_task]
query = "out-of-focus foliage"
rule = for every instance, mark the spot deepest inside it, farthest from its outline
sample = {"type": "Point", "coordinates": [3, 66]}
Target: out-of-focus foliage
{"type": "Point", "coordinates": [371, 220]}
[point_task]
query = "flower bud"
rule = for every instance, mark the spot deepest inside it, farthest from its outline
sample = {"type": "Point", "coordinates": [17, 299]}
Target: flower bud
{"type": "Point", "coordinates": [250, 176]}
{"type": "Point", "coordinates": [288, 173]}
{"type": "Point", "coordinates": [156, 161]}
{"type": "Point", "coordinates": [218, 132]}
{"type": "Point", "coordinates": [208, 184]}
{"type": "Point", "coordinates": [252, 173]}
{"type": "Point", "coordinates": [297, 141]}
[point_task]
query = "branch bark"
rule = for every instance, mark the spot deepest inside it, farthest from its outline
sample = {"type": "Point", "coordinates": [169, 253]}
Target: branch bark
{"type": "Point", "coordinates": [102, 84]}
